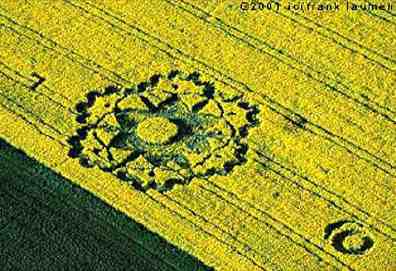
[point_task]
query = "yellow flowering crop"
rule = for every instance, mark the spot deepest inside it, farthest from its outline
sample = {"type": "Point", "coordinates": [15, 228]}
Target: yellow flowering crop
{"type": "Point", "coordinates": [252, 139]}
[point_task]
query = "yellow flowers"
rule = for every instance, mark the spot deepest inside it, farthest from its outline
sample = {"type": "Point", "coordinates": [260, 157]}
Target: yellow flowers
{"type": "Point", "coordinates": [252, 140]}
{"type": "Point", "coordinates": [157, 130]}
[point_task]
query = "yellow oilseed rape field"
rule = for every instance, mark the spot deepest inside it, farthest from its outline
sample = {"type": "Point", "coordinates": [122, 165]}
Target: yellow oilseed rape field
{"type": "Point", "coordinates": [250, 137]}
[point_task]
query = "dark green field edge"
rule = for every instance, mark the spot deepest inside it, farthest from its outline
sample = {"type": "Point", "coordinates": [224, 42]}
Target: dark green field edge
{"type": "Point", "coordinates": [47, 223]}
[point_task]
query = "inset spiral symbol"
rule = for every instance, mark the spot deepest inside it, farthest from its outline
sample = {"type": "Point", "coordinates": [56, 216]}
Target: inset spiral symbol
{"type": "Point", "coordinates": [167, 130]}
{"type": "Point", "coordinates": [349, 237]}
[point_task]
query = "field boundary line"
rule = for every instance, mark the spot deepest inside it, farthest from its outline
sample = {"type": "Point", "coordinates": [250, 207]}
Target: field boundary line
{"type": "Point", "coordinates": [218, 232]}
{"type": "Point", "coordinates": [92, 217]}
{"type": "Point", "coordinates": [291, 235]}
{"type": "Point", "coordinates": [173, 201]}
{"type": "Point", "coordinates": [134, 207]}
{"type": "Point", "coordinates": [155, 195]}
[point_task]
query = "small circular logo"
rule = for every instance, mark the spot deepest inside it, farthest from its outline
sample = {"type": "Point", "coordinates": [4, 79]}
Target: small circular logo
{"type": "Point", "coordinates": [166, 130]}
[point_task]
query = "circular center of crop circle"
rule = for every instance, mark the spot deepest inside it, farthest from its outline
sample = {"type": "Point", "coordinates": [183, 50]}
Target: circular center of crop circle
{"type": "Point", "coordinates": [157, 130]}
{"type": "Point", "coordinates": [354, 242]}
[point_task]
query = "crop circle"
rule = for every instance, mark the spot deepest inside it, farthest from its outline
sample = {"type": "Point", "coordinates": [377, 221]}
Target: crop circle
{"type": "Point", "coordinates": [166, 130]}
{"type": "Point", "coordinates": [349, 237]}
